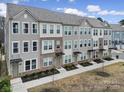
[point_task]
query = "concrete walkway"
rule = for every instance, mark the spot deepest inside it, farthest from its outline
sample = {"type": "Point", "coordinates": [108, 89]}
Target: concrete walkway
{"type": "Point", "coordinates": [17, 85]}
{"type": "Point", "coordinates": [62, 74]}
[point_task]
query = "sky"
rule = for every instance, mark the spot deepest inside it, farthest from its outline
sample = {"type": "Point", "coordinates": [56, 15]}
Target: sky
{"type": "Point", "coordinates": [110, 10]}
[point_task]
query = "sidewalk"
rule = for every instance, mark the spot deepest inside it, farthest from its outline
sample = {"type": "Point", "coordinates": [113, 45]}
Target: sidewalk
{"type": "Point", "coordinates": [64, 74]}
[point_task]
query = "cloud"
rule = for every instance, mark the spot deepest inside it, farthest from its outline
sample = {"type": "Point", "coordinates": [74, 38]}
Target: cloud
{"type": "Point", "coordinates": [71, 0]}
{"type": "Point", "coordinates": [18, 1]}
{"type": "Point", "coordinates": [92, 16]}
{"type": "Point", "coordinates": [74, 11]}
{"type": "Point", "coordinates": [93, 8]}
{"type": "Point", "coordinates": [111, 12]}
{"type": "Point", "coordinates": [3, 9]}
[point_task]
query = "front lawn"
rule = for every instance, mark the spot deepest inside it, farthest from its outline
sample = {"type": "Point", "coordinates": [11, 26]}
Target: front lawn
{"type": "Point", "coordinates": [108, 58]}
{"type": "Point", "coordinates": [98, 61]}
{"type": "Point", "coordinates": [69, 67]}
{"type": "Point", "coordinates": [41, 74]}
{"type": "Point", "coordinates": [110, 81]}
{"type": "Point", "coordinates": [84, 64]}
{"type": "Point", "coordinates": [5, 85]}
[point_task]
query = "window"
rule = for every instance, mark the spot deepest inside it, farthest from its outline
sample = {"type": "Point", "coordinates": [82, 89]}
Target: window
{"type": "Point", "coordinates": [30, 64]}
{"type": "Point", "coordinates": [109, 32]}
{"type": "Point", "coordinates": [85, 32]}
{"type": "Point", "coordinates": [34, 64]}
{"type": "Point", "coordinates": [44, 28]}
{"type": "Point", "coordinates": [34, 46]}
{"type": "Point", "coordinates": [81, 43]}
{"type": "Point", "coordinates": [70, 30]}
{"type": "Point", "coordinates": [51, 29]}
{"type": "Point", "coordinates": [27, 65]}
{"type": "Point", "coordinates": [26, 28]}
{"type": "Point", "coordinates": [65, 30]}
{"type": "Point", "coordinates": [67, 59]}
{"type": "Point", "coordinates": [34, 28]}
{"type": "Point", "coordinates": [89, 31]}
{"type": "Point", "coordinates": [15, 47]}
{"type": "Point", "coordinates": [94, 31]}
{"type": "Point", "coordinates": [89, 44]}
{"type": "Point", "coordinates": [47, 61]}
{"type": "Point", "coordinates": [58, 29]}
{"type": "Point", "coordinates": [45, 45]}
{"type": "Point", "coordinates": [15, 27]}
{"type": "Point", "coordinates": [57, 44]}
{"type": "Point", "coordinates": [26, 46]}
{"type": "Point", "coordinates": [81, 31]}
{"type": "Point", "coordinates": [75, 44]}
{"type": "Point", "coordinates": [100, 32]}
{"type": "Point", "coordinates": [67, 44]}
{"type": "Point", "coordinates": [48, 44]}
{"type": "Point", "coordinates": [85, 43]}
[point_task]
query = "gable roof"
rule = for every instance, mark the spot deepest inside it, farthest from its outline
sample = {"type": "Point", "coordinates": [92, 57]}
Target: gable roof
{"type": "Point", "coordinates": [117, 27]}
{"type": "Point", "coordinates": [45, 15]}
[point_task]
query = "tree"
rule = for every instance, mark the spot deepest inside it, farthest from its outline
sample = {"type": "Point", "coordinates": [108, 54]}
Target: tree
{"type": "Point", "coordinates": [100, 19]}
{"type": "Point", "coordinates": [121, 22]}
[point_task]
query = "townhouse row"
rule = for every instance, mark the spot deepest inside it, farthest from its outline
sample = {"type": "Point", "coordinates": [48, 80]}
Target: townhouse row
{"type": "Point", "coordinates": [38, 39]}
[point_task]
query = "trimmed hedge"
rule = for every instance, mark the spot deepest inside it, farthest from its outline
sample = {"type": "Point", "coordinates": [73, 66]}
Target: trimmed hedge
{"type": "Point", "coordinates": [69, 67]}
{"type": "Point", "coordinates": [84, 64]}
{"type": "Point", "coordinates": [38, 75]}
{"type": "Point", "coordinates": [108, 58]}
{"type": "Point", "coordinates": [98, 61]}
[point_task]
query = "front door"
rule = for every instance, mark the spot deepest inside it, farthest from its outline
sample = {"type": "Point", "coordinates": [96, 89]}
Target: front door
{"type": "Point", "coordinates": [15, 69]}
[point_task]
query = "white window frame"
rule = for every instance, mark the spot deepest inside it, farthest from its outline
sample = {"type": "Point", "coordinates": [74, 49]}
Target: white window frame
{"type": "Point", "coordinates": [32, 45]}
{"type": "Point", "coordinates": [23, 46]}
{"type": "Point", "coordinates": [48, 60]}
{"type": "Point", "coordinates": [23, 28]}
{"type": "Point", "coordinates": [18, 47]}
{"type": "Point", "coordinates": [30, 64]}
{"type": "Point", "coordinates": [18, 27]}
{"type": "Point", "coordinates": [32, 27]}
{"type": "Point", "coordinates": [46, 28]}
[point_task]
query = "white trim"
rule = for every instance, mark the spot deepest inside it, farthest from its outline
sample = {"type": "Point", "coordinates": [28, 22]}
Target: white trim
{"type": "Point", "coordinates": [48, 61]}
{"type": "Point", "coordinates": [32, 28]}
{"type": "Point", "coordinates": [28, 28]}
{"type": "Point", "coordinates": [12, 27]}
{"type": "Point", "coordinates": [18, 47]}
{"type": "Point", "coordinates": [23, 46]}
{"type": "Point", "coordinates": [31, 64]}
{"type": "Point", "coordinates": [32, 45]}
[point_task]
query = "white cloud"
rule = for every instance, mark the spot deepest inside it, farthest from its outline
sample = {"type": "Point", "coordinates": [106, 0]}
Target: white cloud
{"type": "Point", "coordinates": [59, 9]}
{"type": "Point", "coordinates": [71, 0]}
{"type": "Point", "coordinates": [74, 11]}
{"type": "Point", "coordinates": [3, 9]}
{"type": "Point", "coordinates": [92, 16]}
{"type": "Point", "coordinates": [18, 1]}
{"type": "Point", "coordinates": [93, 8]}
{"type": "Point", "coordinates": [111, 12]}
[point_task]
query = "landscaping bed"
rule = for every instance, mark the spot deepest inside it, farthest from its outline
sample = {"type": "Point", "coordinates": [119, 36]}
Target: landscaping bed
{"type": "Point", "coordinates": [98, 61]}
{"type": "Point", "coordinates": [69, 67]}
{"type": "Point", "coordinates": [41, 74]}
{"type": "Point", "coordinates": [84, 64]}
{"type": "Point", "coordinates": [108, 58]}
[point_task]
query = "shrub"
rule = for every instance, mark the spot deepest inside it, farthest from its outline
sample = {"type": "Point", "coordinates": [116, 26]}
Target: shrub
{"type": "Point", "coordinates": [69, 67]}
{"type": "Point", "coordinates": [5, 85]}
{"type": "Point", "coordinates": [37, 75]}
{"type": "Point", "coordinates": [85, 64]}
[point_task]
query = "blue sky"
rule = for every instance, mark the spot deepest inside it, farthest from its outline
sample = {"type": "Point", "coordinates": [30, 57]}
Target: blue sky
{"type": "Point", "coordinates": [110, 10]}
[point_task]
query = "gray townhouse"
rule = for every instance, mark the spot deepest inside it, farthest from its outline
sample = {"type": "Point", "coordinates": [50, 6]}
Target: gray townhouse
{"type": "Point", "coordinates": [2, 21]}
{"type": "Point", "coordinates": [117, 36]}
{"type": "Point", "coordinates": [38, 39]}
